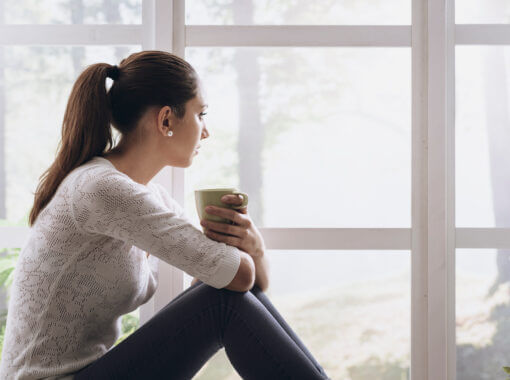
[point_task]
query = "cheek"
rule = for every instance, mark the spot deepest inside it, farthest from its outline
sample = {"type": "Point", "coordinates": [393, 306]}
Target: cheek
{"type": "Point", "coordinates": [198, 132]}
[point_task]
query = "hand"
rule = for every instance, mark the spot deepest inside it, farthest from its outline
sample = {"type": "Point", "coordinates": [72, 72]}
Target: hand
{"type": "Point", "coordinates": [242, 234]}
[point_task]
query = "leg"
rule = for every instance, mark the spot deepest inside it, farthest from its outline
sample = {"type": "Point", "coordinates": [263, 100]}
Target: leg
{"type": "Point", "coordinates": [178, 340]}
{"type": "Point", "coordinates": [174, 344]}
{"type": "Point", "coordinates": [270, 307]}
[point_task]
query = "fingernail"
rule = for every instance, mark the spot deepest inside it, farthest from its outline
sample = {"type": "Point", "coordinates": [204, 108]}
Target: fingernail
{"type": "Point", "coordinates": [203, 222]}
{"type": "Point", "coordinates": [208, 208]}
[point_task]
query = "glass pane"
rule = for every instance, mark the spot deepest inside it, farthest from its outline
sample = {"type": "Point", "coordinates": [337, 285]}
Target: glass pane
{"type": "Point", "coordinates": [298, 12]}
{"type": "Point", "coordinates": [71, 11]}
{"type": "Point", "coordinates": [482, 11]}
{"type": "Point", "coordinates": [35, 83]}
{"type": "Point", "coordinates": [482, 136]}
{"type": "Point", "coordinates": [8, 258]}
{"type": "Point", "coordinates": [318, 137]}
{"type": "Point", "coordinates": [352, 310]}
{"type": "Point", "coordinates": [483, 313]}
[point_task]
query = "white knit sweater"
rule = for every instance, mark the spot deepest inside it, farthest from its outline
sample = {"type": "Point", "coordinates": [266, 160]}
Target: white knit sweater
{"type": "Point", "coordinates": [84, 265]}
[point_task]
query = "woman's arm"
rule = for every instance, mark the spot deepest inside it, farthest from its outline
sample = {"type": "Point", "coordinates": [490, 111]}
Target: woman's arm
{"type": "Point", "coordinates": [261, 273]}
{"type": "Point", "coordinates": [243, 235]}
{"type": "Point", "coordinates": [108, 203]}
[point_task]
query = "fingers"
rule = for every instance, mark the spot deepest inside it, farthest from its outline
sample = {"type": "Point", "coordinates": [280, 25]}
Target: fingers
{"type": "Point", "coordinates": [236, 200]}
{"type": "Point", "coordinates": [230, 214]}
{"type": "Point", "coordinates": [224, 228]}
{"type": "Point", "coordinates": [230, 240]}
{"type": "Point", "coordinates": [232, 199]}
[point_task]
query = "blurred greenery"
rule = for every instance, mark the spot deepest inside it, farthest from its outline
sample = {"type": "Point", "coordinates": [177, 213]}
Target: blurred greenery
{"type": "Point", "coordinates": [130, 323]}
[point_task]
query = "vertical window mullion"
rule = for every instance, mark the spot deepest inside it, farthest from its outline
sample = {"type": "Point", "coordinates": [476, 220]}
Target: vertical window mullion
{"type": "Point", "coordinates": [440, 250]}
{"type": "Point", "coordinates": [158, 34]}
{"type": "Point", "coordinates": [419, 193]}
{"type": "Point", "coordinates": [450, 191]}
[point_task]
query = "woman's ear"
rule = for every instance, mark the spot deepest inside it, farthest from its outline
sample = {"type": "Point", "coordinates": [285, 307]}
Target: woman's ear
{"type": "Point", "coordinates": [164, 120]}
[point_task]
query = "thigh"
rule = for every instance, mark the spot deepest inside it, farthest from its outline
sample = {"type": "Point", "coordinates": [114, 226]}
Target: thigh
{"type": "Point", "coordinates": [174, 343]}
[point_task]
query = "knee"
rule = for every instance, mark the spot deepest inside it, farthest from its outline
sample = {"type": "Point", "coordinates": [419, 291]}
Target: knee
{"type": "Point", "coordinates": [228, 297]}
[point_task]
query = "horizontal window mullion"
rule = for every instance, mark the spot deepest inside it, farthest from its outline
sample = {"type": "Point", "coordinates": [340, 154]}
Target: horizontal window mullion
{"type": "Point", "coordinates": [495, 34]}
{"type": "Point", "coordinates": [490, 238]}
{"type": "Point", "coordinates": [71, 34]}
{"type": "Point", "coordinates": [337, 238]}
{"type": "Point", "coordinates": [289, 238]}
{"type": "Point", "coordinates": [296, 35]}
{"type": "Point", "coordinates": [332, 238]}
{"type": "Point", "coordinates": [205, 35]}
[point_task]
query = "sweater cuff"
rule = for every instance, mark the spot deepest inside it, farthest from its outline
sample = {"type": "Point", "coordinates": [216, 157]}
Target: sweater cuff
{"type": "Point", "coordinates": [227, 268]}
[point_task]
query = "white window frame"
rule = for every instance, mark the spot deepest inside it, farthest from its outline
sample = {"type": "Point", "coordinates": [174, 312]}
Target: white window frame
{"type": "Point", "coordinates": [432, 238]}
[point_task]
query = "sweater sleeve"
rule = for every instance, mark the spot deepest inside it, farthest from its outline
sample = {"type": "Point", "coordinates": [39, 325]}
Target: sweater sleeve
{"type": "Point", "coordinates": [110, 203]}
{"type": "Point", "coordinates": [170, 202]}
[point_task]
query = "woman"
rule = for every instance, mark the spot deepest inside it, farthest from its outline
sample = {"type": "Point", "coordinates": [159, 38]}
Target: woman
{"type": "Point", "coordinates": [99, 228]}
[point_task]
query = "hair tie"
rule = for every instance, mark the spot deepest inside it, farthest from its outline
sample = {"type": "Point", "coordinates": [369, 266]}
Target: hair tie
{"type": "Point", "coordinates": [113, 72]}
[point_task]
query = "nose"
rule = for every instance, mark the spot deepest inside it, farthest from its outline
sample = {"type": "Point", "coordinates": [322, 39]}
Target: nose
{"type": "Point", "coordinates": [205, 133]}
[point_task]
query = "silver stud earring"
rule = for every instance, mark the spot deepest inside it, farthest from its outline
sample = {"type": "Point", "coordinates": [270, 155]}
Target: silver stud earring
{"type": "Point", "coordinates": [170, 133]}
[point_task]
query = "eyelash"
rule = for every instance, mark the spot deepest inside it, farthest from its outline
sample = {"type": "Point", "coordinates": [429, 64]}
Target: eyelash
{"type": "Point", "coordinates": [202, 114]}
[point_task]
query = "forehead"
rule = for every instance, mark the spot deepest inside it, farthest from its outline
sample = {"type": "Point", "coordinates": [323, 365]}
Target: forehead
{"type": "Point", "coordinates": [199, 100]}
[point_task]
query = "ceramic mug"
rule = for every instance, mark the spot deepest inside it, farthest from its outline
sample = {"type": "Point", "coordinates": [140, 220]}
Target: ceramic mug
{"type": "Point", "coordinates": [212, 197]}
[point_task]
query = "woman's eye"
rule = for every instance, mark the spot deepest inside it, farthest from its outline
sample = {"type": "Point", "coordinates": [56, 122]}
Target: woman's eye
{"type": "Point", "coordinates": [202, 114]}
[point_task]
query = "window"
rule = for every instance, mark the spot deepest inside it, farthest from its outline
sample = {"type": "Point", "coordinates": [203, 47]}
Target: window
{"type": "Point", "coordinates": [388, 117]}
{"type": "Point", "coordinates": [315, 125]}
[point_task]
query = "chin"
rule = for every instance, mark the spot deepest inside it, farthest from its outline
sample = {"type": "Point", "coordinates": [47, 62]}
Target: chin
{"type": "Point", "coordinates": [182, 164]}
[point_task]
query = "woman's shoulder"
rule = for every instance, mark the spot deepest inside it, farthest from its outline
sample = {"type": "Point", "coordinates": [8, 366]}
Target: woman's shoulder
{"type": "Point", "coordinates": [98, 173]}
{"type": "Point", "coordinates": [90, 169]}
{"type": "Point", "coordinates": [167, 198]}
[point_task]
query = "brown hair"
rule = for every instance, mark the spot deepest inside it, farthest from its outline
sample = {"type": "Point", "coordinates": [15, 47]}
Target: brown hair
{"type": "Point", "coordinates": [142, 80]}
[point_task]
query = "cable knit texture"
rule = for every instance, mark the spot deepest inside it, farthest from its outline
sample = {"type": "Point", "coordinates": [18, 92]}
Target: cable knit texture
{"type": "Point", "coordinates": [84, 265]}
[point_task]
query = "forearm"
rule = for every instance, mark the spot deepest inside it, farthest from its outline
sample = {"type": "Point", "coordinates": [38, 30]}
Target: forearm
{"type": "Point", "coordinates": [261, 272]}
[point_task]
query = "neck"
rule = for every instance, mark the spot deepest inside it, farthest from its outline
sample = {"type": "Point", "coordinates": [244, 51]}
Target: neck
{"type": "Point", "coordinates": [137, 163]}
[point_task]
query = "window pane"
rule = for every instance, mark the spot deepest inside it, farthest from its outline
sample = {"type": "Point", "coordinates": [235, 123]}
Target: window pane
{"type": "Point", "coordinates": [298, 12]}
{"type": "Point", "coordinates": [482, 136]}
{"type": "Point", "coordinates": [482, 11]}
{"type": "Point", "coordinates": [352, 310]}
{"type": "Point", "coordinates": [483, 312]}
{"type": "Point", "coordinates": [37, 82]}
{"type": "Point", "coordinates": [8, 258]}
{"type": "Point", "coordinates": [72, 11]}
{"type": "Point", "coordinates": [318, 137]}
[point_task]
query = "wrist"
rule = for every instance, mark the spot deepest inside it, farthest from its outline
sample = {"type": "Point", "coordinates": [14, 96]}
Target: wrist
{"type": "Point", "coordinates": [258, 254]}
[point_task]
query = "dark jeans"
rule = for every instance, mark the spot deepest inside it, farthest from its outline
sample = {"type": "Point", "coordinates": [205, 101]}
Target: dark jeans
{"type": "Point", "coordinates": [177, 341]}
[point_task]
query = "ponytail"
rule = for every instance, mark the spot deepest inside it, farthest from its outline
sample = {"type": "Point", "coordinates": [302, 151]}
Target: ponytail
{"type": "Point", "coordinates": [86, 132]}
{"type": "Point", "coordinates": [144, 79]}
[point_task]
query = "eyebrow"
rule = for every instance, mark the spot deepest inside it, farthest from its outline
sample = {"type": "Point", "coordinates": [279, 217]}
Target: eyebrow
{"type": "Point", "coordinates": [204, 106]}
